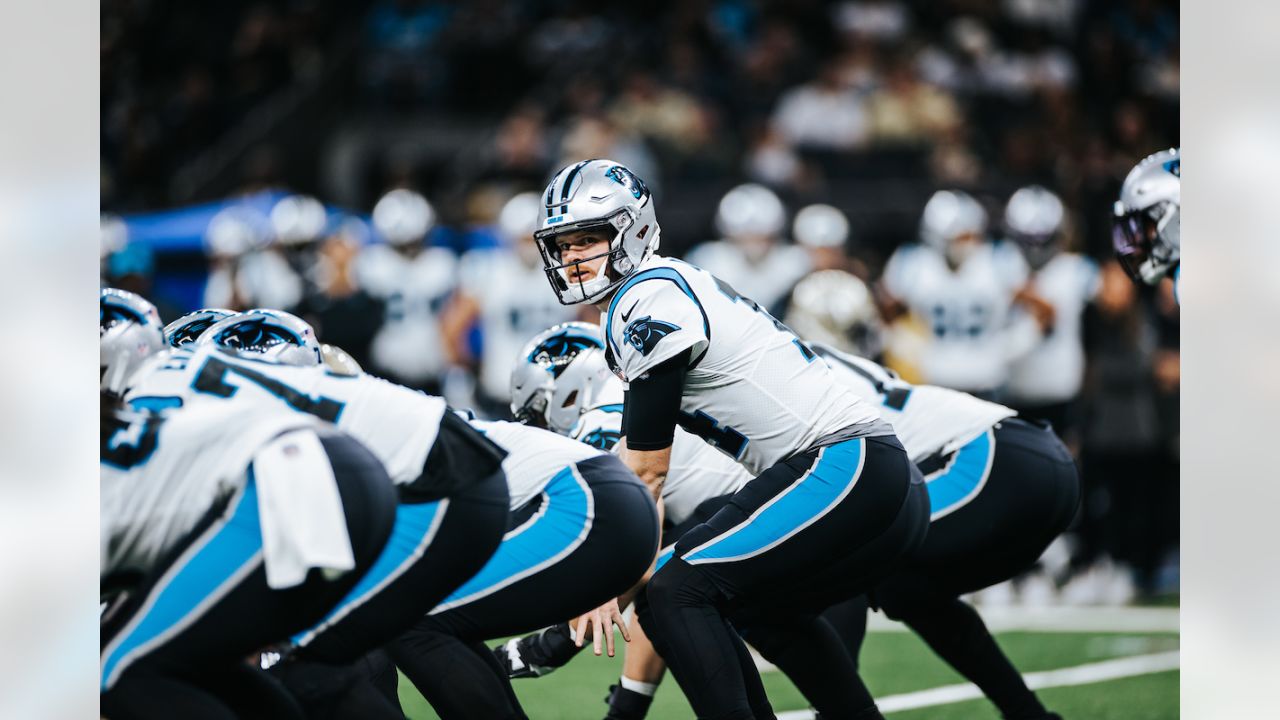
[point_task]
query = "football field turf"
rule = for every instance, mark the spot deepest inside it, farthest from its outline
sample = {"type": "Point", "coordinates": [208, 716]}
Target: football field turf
{"type": "Point", "coordinates": [896, 666]}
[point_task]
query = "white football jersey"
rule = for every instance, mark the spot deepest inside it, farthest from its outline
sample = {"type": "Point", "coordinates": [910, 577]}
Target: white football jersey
{"type": "Point", "coordinates": [409, 344]}
{"type": "Point", "coordinates": [161, 473]}
{"type": "Point", "coordinates": [397, 424]}
{"type": "Point", "coordinates": [697, 471]}
{"type": "Point", "coordinates": [753, 389]}
{"type": "Point", "coordinates": [1054, 369]}
{"type": "Point", "coordinates": [967, 311]}
{"type": "Point", "coordinates": [516, 303]}
{"type": "Point", "coordinates": [534, 456]}
{"type": "Point", "coordinates": [926, 418]}
{"type": "Point", "coordinates": [766, 282]}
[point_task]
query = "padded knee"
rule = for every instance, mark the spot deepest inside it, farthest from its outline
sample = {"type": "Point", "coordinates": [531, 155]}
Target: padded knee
{"type": "Point", "coordinates": [679, 584]}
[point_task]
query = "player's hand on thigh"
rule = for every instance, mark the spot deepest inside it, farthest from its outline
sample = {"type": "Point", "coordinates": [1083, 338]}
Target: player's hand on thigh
{"type": "Point", "coordinates": [598, 623]}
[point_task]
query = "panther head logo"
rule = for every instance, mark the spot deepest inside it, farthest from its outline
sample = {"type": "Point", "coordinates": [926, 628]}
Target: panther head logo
{"type": "Point", "coordinates": [556, 352]}
{"type": "Point", "coordinates": [628, 180]}
{"type": "Point", "coordinates": [644, 333]}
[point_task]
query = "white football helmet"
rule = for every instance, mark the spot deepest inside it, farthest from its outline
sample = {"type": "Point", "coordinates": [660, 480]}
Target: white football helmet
{"type": "Point", "coordinates": [820, 225]}
{"type": "Point", "coordinates": [276, 334]}
{"type": "Point", "coordinates": [750, 210]}
{"type": "Point", "coordinates": [602, 195]}
{"type": "Point", "coordinates": [1033, 219]}
{"type": "Point", "coordinates": [1147, 227]}
{"type": "Point", "coordinates": [339, 361]}
{"type": "Point", "coordinates": [834, 307]}
{"type": "Point", "coordinates": [235, 231]}
{"type": "Point", "coordinates": [558, 376]}
{"type": "Point", "coordinates": [189, 327]}
{"type": "Point", "coordinates": [403, 217]}
{"type": "Point", "coordinates": [129, 329]}
{"type": "Point", "coordinates": [298, 220]}
{"type": "Point", "coordinates": [950, 214]}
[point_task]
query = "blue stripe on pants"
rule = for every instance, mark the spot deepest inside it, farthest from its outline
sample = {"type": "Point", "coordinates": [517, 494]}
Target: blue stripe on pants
{"type": "Point", "coordinates": [963, 478]}
{"type": "Point", "coordinates": [557, 530]}
{"type": "Point", "coordinates": [664, 556]}
{"type": "Point", "coordinates": [803, 503]}
{"type": "Point", "coordinates": [221, 557]}
{"type": "Point", "coordinates": [415, 528]}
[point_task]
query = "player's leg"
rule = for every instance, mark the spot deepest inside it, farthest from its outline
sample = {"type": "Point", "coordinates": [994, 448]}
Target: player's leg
{"type": "Point", "coordinates": [591, 537]}
{"type": "Point", "coordinates": [435, 546]}
{"type": "Point", "coordinates": [783, 532]}
{"type": "Point", "coordinates": [209, 606]}
{"type": "Point", "coordinates": [1029, 497]}
{"type": "Point", "coordinates": [849, 620]}
{"type": "Point", "coordinates": [642, 671]}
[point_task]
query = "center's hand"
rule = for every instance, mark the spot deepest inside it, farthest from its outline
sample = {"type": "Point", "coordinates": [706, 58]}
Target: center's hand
{"type": "Point", "coordinates": [598, 622]}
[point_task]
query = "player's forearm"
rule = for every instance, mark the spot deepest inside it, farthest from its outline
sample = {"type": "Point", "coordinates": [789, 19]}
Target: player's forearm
{"type": "Point", "coordinates": [651, 466]}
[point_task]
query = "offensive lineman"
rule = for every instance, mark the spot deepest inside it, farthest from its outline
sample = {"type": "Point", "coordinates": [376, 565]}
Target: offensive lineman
{"type": "Point", "coordinates": [836, 502]}
{"type": "Point", "coordinates": [213, 521]}
{"type": "Point", "coordinates": [453, 497]}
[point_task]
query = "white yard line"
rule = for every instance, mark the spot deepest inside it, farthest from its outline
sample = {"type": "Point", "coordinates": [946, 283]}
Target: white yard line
{"type": "Point", "coordinates": [1078, 675]}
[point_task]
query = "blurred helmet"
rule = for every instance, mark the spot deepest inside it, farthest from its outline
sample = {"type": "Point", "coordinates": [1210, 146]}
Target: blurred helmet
{"type": "Point", "coordinates": [236, 230]}
{"type": "Point", "coordinates": [276, 334]}
{"type": "Point", "coordinates": [403, 217]}
{"type": "Point", "coordinates": [518, 219]}
{"type": "Point", "coordinates": [750, 210]}
{"type": "Point", "coordinates": [129, 329]}
{"type": "Point", "coordinates": [834, 307]}
{"type": "Point", "coordinates": [298, 220]}
{"type": "Point", "coordinates": [113, 236]}
{"type": "Point", "coordinates": [948, 215]}
{"type": "Point", "coordinates": [339, 361]}
{"type": "Point", "coordinates": [1033, 218]}
{"type": "Point", "coordinates": [536, 397]}
{"type": "Point", "coordinates": [1147, 227]}
{"type": "Point", "coordinates": [820, 226]}
{"type": "Point", "coordinates": [597, 195]}
{"type": "Point", "coordinates": [189, 327]}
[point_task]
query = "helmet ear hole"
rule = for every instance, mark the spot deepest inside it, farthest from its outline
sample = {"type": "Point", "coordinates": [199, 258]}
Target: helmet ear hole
{"type": "Point", "coordinates": [570, 400]}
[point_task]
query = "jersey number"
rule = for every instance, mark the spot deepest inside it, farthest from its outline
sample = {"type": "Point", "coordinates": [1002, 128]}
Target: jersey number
{"type": "Point", "coordinates": [122, 452]}
{"type": "Point", "coordinates": [211, 379]}
{"type": "Point", "coordinates": [723, 438]}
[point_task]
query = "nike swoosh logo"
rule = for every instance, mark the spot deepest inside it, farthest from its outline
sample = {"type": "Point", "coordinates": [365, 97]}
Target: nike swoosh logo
{"type": "Point", "coordinates": [626, 315]}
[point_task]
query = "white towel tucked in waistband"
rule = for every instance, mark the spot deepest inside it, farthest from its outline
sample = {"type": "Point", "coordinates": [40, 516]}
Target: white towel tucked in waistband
{"type": "Point", "coordinates": [303, 525]}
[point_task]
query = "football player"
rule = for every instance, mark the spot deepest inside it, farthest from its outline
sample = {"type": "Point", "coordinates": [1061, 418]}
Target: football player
{"type": "Point", "coordinates": [835, 501]}
{"type": "Point", "coordinates": [1044, 383]}
{"type": "Point", "coordinates": [222, 531]}
{"type": "Point", "coordinates": [963, 286]}
{"type": "Point", "coordinates": [414, 281]}
{"type": "Point", "coordinates": [453, 495]}
{"type": "Point", "coordinates": [1000, 490]}
{"type": "Point", "coordinates": [1147, 232]}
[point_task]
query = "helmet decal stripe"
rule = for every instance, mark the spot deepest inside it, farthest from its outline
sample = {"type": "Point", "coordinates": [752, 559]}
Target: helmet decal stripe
{"type": "Point", "coordinates": [568, 184]}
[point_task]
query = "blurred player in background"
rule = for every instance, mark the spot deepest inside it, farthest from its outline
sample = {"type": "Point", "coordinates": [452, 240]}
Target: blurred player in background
{"type": "Point", "coordinates": [1148, 219]}
{"type": "Point", "coordinates": [1045, 383]}
{"type": "Point", "coordinates": [414, 281]}
{"type": "Point", "coordinates": [751, 255]}
{"type": "Point", "coordinates": [245, 270]}
{"type": "Point", "coordinates": [502, 290]}
{"type": "Point", "coordinates": [962, 286]}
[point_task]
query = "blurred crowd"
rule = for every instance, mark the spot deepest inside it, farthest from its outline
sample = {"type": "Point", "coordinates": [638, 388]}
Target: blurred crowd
{"type": "Point", "coordinates": [992, 133]}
